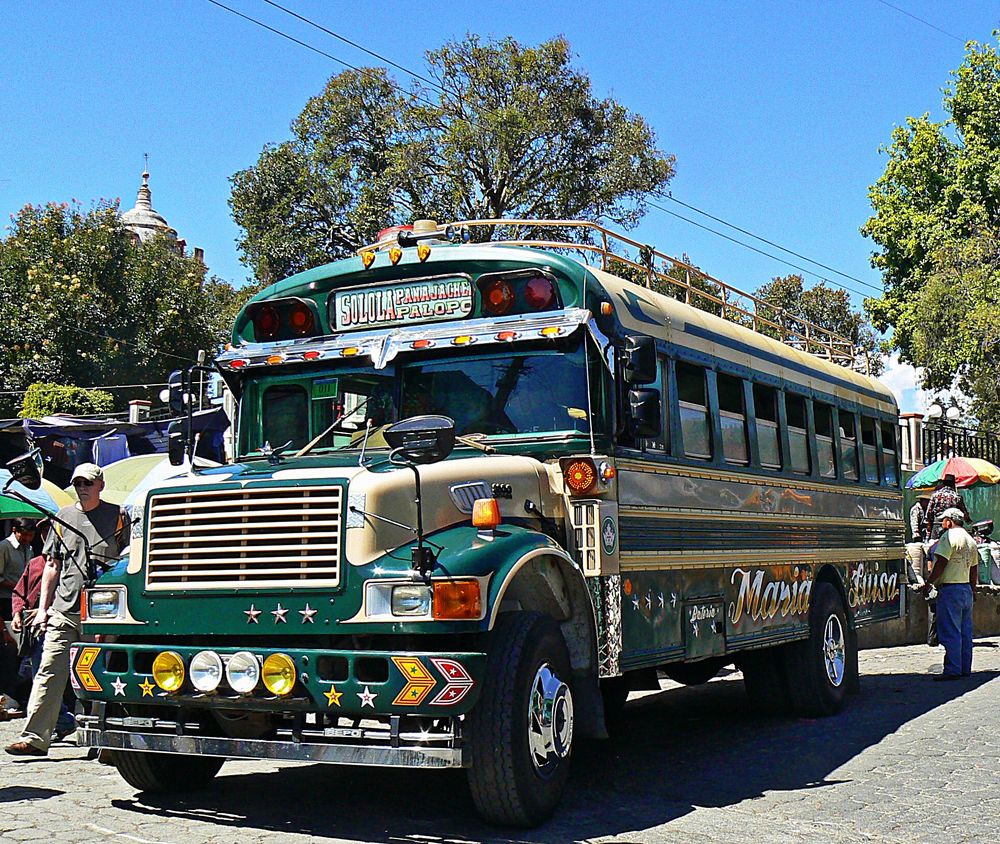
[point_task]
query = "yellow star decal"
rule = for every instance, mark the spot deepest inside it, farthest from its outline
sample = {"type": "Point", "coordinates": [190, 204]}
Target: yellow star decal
{"type": "Point", "coordinates": [147, 688]}
{"type": "Point", "coordinates": [333, 696]}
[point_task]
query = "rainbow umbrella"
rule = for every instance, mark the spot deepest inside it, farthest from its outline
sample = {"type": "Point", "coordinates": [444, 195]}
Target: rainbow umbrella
{"type": "Point", "coordinates": [968, 471]}
{"type": "Point", "coordinates": [42, 503]}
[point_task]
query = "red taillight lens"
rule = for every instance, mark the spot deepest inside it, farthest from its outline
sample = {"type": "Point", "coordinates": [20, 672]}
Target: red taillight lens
{"type": "Point", "coordinates": [497, 297]}
{"type": "Point", "coordinates": [539, 293]}
{"type": "Point", "coordinates": [300, 320]}
{"type": "Point", "coordinates": [265, 323]}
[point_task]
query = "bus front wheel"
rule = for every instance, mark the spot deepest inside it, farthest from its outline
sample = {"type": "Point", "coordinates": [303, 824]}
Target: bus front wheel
{"type": "Point", "coordinates": [165, 773]}
{"type": "Point", "coordinates": [818, 666]}
{"type": "Point", "coordinates": [521, 731]}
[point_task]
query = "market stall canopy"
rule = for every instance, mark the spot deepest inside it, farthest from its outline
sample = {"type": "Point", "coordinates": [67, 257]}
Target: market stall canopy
{"type": "Point", "coordinates": [968, 471]}
{"type": "Point", "coordinates": [43, 504]}
{"type": "Point", "coordinates": [158, 474]}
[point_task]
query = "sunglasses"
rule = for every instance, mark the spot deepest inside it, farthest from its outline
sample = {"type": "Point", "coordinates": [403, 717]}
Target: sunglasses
{"type": "Point", "coordinates": [82, 482]}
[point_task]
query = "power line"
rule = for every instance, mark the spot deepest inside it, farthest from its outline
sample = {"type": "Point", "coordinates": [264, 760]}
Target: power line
{"type": "Point", "coordinates": [775, 245]}
{"type": "Point", "coordinates": [921, 20]}
{"type": "Point", "coordinates": [357, 46]}
{"type": "Point", "coordinates": [308, 46]}
{"type": "Point", "coordinates": [129, 343]}
{"type": "Point", "coordinates": [753, 248]}
{"type": "Point", "coordinates": [94, 387]}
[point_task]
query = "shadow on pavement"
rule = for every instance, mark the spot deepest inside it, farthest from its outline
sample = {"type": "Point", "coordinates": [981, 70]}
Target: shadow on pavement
{"type": "Point", "coordinates": [677, 749]}
{"type": "Point", "coordinates": [14, 793]}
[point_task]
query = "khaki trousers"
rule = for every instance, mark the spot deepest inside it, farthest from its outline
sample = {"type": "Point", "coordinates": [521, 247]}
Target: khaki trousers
{"type": "Point", "coordinates": [50, 681]}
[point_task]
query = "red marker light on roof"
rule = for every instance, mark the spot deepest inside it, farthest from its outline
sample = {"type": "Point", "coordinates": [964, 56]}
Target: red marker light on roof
{"type": "Point", "coordinates": [506, 336]}
{"type": "Point", "coordinates": [497, 297]}
{"type": "Point", "coordinates": [422, 344]}
{"type": "Point", "coordinates": [539, 293]}
{"type": "Point", "coordinates": [266, 322]}
{"type": "Point", "coordinates": [312, 355]}
{"type": "Point", "coordinates": [239, 363]}
{"type": "Point", "coordinates": [300, 320]}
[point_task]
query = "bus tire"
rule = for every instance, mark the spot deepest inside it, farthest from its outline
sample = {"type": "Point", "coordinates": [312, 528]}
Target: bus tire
{"type": "Point", "coordinates": [693, 673]}
{"type": "Point", "coordinates": [818, 666]}
{"type": "Point", "coordinates": [165, 773]}
{"type": "Point", "coordinates": [766, 680]}
{"type": "Point", "coordinates": [521, 731]}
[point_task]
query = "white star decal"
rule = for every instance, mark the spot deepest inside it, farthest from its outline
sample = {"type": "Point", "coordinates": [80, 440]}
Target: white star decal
{"type": "Point", "coordinates": [635, 602]}
{"type": "Point", "coordinates": [367, 698]}
{"type": "Point", "coordinates": [252, 614]}
{"type": "Point", "coordinates": [694, 627]}
{"type": "Point", "coordinates": [307, 614]}
{"type": "Point", "coordinates": [660, 597]}
{"type": "Point", "coordinates": [279, 614]}
{"type": "Point", "coordinates": [673, 599]}
{"type": "Point", "coordinates": [119, 686]}
{"type": "Point", "coordinates": [649, 600]}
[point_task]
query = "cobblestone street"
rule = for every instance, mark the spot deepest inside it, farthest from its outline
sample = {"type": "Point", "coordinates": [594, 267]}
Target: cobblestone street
{"type": "Point", "coordinates": [909, 760]}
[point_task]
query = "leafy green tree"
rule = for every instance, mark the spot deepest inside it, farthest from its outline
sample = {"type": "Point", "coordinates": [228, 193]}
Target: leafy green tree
{"type": "Point", "coordinates": [83, 304]}
{"type": "Point", "coordinates": [936, 216]}
{"type": "Point", "coordinates": [511, 131]}
{"type": "Point", "coordinates": [48, 399]}
{"type": "Point", "coordinates": [821, 305]}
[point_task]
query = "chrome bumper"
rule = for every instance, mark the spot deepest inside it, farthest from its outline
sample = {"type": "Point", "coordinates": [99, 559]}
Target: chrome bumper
{"type": "Point", "coordinates": [340, 754]}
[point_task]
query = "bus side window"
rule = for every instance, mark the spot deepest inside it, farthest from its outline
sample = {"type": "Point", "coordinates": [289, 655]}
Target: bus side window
{"type": "Point", "coordinates": [692, 401]}
{"type": "Point", "coordinates": [848, 446]}
{"type": "Point", "coordinates": [765, 402]}
{"type": "Point", "coordinates": [890, 465]}
{"type": "Point", "coordinates": [733, 418]}
{"type": "Point", "coordinates": [798, 434]}
{"type": "Point", "coordinates": [869, 449]}
{"type": "Point", "coordinates": [824, 439]}
{"type": "Point", "coordinates": [285, 415]}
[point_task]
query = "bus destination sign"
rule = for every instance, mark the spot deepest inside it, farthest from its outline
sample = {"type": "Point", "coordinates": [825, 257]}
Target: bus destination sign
{"type": "Point", "coordinates": [423, 300]}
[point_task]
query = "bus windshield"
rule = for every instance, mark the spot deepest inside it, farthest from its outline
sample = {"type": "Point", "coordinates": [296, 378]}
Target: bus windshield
{"type": "Point", "coordinates": [509, 393]}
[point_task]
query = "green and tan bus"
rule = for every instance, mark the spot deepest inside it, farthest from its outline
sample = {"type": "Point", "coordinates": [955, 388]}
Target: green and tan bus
{"type": "Point", "coordinates": [481, 491]}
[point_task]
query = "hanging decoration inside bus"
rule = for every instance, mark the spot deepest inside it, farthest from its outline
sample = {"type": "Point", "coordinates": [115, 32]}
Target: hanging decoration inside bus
{"type": "Point", "coordinates": [420, 300]}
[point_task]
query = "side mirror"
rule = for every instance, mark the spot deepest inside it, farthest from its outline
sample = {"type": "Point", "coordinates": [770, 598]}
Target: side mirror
{"type": "Point", "coordinates": [176, 443]}
{"type": "Point", "coordinates": [26, 469]}
{"type": "Point", "coordinates": [640, 359]}
{"type": "Point", "coordinates": [422, 439]}
{"type": "Point", "coordinates": [644, 413]}
{"type": "Point", "coordinates": [175, 387]}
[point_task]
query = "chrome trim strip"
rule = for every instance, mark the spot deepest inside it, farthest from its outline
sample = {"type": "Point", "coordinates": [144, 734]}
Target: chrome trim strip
{"type": "Point", "coordinates": [340, 754]}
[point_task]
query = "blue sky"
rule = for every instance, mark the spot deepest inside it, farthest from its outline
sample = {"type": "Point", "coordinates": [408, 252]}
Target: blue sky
{"type": "Point", "coordinates": [774, 110]}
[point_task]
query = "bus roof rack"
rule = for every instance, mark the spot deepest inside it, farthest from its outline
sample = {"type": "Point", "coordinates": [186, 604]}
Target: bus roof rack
{"type": "Point", "coordinates": [642, 263]}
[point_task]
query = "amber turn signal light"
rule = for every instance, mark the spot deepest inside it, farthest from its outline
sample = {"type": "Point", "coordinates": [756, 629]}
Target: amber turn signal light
{"type": "Point", "coordinates": [580, 476]}
{"type": "Point", "coordinates": [457, 599]}
{"type": "Point", "coordinates": [485, 513]}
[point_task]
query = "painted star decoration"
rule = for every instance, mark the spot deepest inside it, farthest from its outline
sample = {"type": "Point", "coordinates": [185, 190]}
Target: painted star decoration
{"type": "Point", "coordinates": [119, 686]}
{"type": "Point", "coordinates": [279, 614]}
{"type": "Point", "coordinates": [307, 615]}
{"type": "Point", "coordinates": [252, 615]}
{"type": "Point", "coordinates": [333, 696]}
{"type": "Point", "coordinates": [367, 698]}
{"type": "Point", "coordinates": [635, 602]}
{"type": "Point", "coordinates": [649, 600]}
{"type": "Point", "coordinates": [147, 688]}
{"type": "Point", "coordinates": [660, 598]}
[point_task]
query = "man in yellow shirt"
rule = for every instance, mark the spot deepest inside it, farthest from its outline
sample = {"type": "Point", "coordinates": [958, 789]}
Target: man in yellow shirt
{"type": "Point", "coordinates": [956, 573]}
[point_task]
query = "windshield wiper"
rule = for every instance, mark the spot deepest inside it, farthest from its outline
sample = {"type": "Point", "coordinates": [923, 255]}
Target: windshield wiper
{"type": "Point", "coordinates": [309, 446]}
{"type": "Point", "coordinates": [475, 441]}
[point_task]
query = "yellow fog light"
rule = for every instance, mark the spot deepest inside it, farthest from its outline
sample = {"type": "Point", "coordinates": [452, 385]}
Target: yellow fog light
{"type": "Point", "coordinates": [279, 674]}
{"type": "Point", "coordinates": [168, 671]}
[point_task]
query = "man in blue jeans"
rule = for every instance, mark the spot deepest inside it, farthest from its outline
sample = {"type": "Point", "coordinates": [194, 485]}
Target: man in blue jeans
{"type": "Point", "coordinates": [956, 573]}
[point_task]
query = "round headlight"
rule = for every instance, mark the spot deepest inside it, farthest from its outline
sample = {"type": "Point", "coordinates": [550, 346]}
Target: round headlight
{"type": "Point", "coordinates": [168, 671]}
{"type": "Point", "coordinates": [206, 671]}
{"type": "Point", "coordinates": [242, 672]}
{"type": "Point", "coordinates": [279, 674]}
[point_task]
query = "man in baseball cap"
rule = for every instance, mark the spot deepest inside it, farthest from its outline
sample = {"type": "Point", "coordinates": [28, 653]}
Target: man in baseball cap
{"type": "Point", "coordinates": [99, 532]}
{"type": "Point", "coordinates": [955, 573]}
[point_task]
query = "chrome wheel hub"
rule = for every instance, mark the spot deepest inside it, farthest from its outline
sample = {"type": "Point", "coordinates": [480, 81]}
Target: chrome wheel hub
{"type": "Point", "coordinates": [834, 651]}
{"type": "Point", "coordinates": [550, 720]}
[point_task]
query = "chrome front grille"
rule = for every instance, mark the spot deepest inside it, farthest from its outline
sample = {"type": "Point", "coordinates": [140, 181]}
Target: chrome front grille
{"type": "Point", "coordinates": [252, 538]}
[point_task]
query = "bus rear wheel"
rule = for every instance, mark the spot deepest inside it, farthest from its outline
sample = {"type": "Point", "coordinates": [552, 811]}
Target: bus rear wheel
{"type": "Point", "coordinates": [521, 731]}
{"type": "Point", "coordinates": [165, 773]}
{"type": "Point", "coordinates": [818, 666]}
